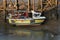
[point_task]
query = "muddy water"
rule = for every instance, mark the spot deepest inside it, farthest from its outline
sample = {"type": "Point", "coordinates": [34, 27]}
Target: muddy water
{"type": "Point", "coordinates": [28, 34]}
{"type": "Point", "coordinates": [23, 33]}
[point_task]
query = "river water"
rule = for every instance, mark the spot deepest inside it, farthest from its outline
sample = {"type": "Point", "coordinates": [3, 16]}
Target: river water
{"type": "Point", "coordinates": [28, 34]}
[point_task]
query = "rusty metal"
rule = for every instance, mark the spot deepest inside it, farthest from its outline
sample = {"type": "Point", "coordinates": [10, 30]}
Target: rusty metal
{"type": "Point", "coordinates": [44, 4]}
{"type": "Point", "coordinates": [49, 4]}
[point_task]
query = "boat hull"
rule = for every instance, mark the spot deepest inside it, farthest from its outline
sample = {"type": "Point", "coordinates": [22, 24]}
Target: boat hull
{"type": "Point", "coordinates": [25, 21]}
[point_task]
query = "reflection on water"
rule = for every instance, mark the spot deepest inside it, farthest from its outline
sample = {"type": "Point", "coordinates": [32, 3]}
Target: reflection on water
{"type": "Point", "coordinates": [32, 36]}
{"type": "Point", "coordinates": [57, 37]}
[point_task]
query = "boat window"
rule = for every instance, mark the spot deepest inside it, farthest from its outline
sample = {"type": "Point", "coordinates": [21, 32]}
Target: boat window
{"type": "Point", "coordinates": [36, 15]}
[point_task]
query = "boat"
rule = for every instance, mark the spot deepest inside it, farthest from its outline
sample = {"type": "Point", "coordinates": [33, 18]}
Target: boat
{"type": "Point", "coordinates": [25, 18]}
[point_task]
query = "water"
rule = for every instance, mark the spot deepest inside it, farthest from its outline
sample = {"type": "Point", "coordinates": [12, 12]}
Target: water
{"type": "Point", "coordinates": [57, 37]}
{"type": "Point", "coordinates": [33, 36]}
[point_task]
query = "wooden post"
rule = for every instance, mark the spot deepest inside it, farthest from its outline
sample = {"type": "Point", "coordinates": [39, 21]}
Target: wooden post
{"type": "Point", "coordinates": [33, 4]}
{"type": "Point", "coordinates": [28, 5]}
{"type": "Point", "coordinates": [4, 4]}
{"type": "Point", "coordinates": [56, 2]}
{"type": "Point", "coordinates": [41, 6]}
{"type": "Point", "coordinates": [15, 4]}
{"type": "Point", "coordinates": [10, 2]}
{"type": "Point", "coordinates": [5, 24]}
